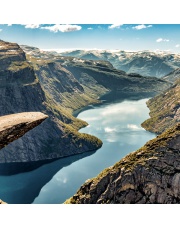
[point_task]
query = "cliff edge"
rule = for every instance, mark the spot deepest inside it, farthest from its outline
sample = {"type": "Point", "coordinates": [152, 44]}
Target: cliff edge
{"type": "Point", "coordinates": [148, 176]}
{"type": "Point", "coordinates": [14, 126]}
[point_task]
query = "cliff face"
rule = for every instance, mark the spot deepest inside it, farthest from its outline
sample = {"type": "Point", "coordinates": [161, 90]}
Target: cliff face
{"type": "Point", "coordinates": [107, 76]}
{"type": "Point", "coordinates": [164, 110]}
{"type": "Point", "coordinates": [97, 76]}
{"type": "Point", "coordinates": [20, 91]}
{"type": "Point", "coordinates": [61, 86]}
{"type": "Point", "coordinates": [149, 175]}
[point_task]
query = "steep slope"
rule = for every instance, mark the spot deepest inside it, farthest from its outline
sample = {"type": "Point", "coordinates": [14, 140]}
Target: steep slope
{"type": "Point", "coordinates": [61, 86]}
{"type": "Point", "coordinates": [95, 78]}
{"type": "Point", "coordinates": [164, 110]}
{"type": "Point", "coordinates": [105, 74]}
{"type": "Point", "coordinates": [146, 63]}
{"type": "Point", "coordinates": [172, 76]}
{"type": "Point", "coordinates": [149, 175]}
{"type": "Point", "coordinates": [20, 91]}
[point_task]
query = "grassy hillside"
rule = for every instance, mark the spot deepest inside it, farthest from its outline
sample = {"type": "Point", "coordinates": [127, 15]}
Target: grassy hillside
{"type": "Point", "coordinates": [164, 110]}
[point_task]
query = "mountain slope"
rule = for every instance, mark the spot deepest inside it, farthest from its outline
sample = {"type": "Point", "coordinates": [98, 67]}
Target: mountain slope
{"type": "Point", "coordinates": [95, 77]}
{"type": "Point", "coordinates": [20, 91]}
{"type": "Point", "coordinates": [116, 80]}
{"type": "Point", "coordinates": [172, 76]}
{"type": "Point", "coordinates": [149, 175]}
{"type": "Point", "coordinates": [61, 86]}
{"type": "Point", "coordinates": [164, 110]}
{"type": "Point", "coordinates": [146, 63]}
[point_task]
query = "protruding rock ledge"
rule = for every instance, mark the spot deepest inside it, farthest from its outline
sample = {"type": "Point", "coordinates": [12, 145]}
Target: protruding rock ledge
{"type": "Point", "coordinates": [14, 126]}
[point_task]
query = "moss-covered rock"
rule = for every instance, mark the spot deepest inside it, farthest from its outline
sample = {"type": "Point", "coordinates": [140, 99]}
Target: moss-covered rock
{"type": "Point", "coordinates": [164, 110]}
{"type": "Point", "coordinates": [149, 175]}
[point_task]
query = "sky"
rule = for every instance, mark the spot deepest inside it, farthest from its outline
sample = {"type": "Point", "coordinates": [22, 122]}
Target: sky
{"type": "Point", "coordinates": [133, 37]}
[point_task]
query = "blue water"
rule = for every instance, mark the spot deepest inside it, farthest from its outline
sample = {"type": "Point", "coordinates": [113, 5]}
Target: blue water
{"type": "Point", "coordinates": [118, 125]}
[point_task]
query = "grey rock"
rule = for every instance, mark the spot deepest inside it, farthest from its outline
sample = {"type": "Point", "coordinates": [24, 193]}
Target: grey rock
{"type": "Point", "coordinates": [149, 175]}
{"type": "Point", "coordinates": [14, 126]}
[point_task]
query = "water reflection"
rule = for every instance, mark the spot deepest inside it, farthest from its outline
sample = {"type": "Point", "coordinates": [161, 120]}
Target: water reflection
{"type": "Point", "coordinates": [24, 187]}
{"type": "Point", "coordinates": [117, 124]}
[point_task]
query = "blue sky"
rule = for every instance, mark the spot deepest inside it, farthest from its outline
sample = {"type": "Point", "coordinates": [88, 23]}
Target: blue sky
{"type": "Point", "coordinates": [89, 36]}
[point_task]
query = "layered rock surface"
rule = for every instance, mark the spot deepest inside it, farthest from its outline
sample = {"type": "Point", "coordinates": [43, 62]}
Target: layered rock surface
{"type": "Point", "coordinates": [149, 175]}
{"type": "Point", "coordinates": [20, 91]}
{"type": "Point", "coordinates": [14, 126]}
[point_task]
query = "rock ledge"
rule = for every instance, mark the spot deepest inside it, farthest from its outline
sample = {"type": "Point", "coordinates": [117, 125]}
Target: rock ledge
{"type": "Point", "coordinates": [14, 126]}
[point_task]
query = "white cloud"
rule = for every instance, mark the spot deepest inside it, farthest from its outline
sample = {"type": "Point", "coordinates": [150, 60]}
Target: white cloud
{"type": "Point", "coordinates": [109, 130]}
{"type": "Point", "coordinates": [62, 28]}
{"type": "Point", "coordinates": [115, 26]}
{"type": "Point", "coordinates": [0, 30]}
{"type": "Point", "coordinates": [9, 25]}
{"type": "Point", "coordinates": [162, 40]}
{"type": "Point", "coordinates": [178, 45]}
{"type": "Point", "coordinates": [141, 26]}
{"type": "Point", "coordinates": [32, 26]}
{"type": "Point", "coordinates": [133, 127]}
{"type": "Point", "coordinates": [90, 28]}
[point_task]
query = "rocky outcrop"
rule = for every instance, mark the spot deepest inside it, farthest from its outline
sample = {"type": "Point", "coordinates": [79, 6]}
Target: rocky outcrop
{"type": "Point", "coordinates": [164, 110]}
{"type": "Point", "coordinates": [149, 175]}
{"type": "Point", "coordinates": [14, 126]}
{"type": "Point", "coordinates": [21, 91]}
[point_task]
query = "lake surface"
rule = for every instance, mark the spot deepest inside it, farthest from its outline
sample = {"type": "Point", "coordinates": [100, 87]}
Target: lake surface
{"type": "Point", "coordinates": [116, 124]}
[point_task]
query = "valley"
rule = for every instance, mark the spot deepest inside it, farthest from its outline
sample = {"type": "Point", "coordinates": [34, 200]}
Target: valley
{"type": "Point", "coordinates": [96, 107]}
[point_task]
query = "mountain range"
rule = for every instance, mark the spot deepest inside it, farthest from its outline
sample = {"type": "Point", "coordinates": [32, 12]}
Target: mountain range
{"type": "Point", "coordinates": [146, 63]}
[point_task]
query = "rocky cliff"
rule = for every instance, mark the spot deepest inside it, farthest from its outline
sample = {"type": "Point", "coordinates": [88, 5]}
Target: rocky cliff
{"type": "Point", "coordinates": [149, 175]}
{"type": "Point", "coordinates": [62, 87]}
{"type": "Point", "coordinates": [103, 73]}
{"type": "Point", "coordinates": [20, 91]}
{"type": "Point", "coordinates": [95, 76]}
{"type": "Point", "coordinates": [14, 126]}
{"type": "Point", "coordinates": [164, 110]}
